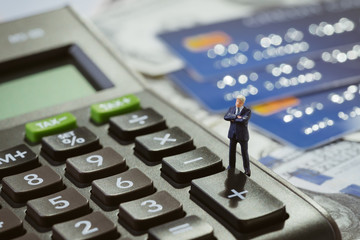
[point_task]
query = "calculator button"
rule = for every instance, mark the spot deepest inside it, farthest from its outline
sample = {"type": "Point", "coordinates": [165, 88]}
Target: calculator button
{"type": "Point", "coordinates": [68, 144]}
{"type": "Point", "coordinates": [191, 227]}
{"type": "Point", "coordinates": [127, 127]}
{"type": "Point", "coordinates": [101, 112]}
{"type": "Point", "coordinates": [10, 225]}
{"type": "Point", "coordinates": [150, 211]}
{"type": "Point", "coordinates": [58, 207]}
{"type": "Point", "coordinates": [28, 236]}
{"type": "Point", "coordinates": [92, 226]}
{"type": "Point", "coordinates": [153, 147]}
{"type": "Point", "coordinates": [17, 159]}
{"type": "Point", "coordinates": [34, 131]}
{"type": "Point", "coordinates": [182, 168]}
{"type": "Point", "coordinates": [95, 165]}
{"type": "Point", "coordinates": [238, 200]}
{"type": "Point", "coordinates": [32, 184]}
{"type": "Point", "coordinates": [122, 187]}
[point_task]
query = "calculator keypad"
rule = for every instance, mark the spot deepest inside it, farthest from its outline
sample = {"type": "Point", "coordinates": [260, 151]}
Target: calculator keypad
{"type": "Point", "coordinates": [104, 196]}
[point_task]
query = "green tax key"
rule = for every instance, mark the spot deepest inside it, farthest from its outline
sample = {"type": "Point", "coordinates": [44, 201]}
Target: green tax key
{"type": "Point", "coordinates": [101, 112]}
{"type": "Point", "coordinates": [49, 126]}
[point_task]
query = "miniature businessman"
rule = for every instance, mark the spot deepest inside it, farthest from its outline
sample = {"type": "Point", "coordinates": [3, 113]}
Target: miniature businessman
{"type": "Point", "coordinates": [239, 116]}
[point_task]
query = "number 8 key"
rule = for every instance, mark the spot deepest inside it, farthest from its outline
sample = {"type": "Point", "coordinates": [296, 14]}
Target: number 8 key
{"type": "Point", "coordinates": [32, 184]}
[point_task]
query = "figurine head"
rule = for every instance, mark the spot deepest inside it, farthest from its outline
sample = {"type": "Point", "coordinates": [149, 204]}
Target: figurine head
{"type": "Point", "coordinates": [240, 100]}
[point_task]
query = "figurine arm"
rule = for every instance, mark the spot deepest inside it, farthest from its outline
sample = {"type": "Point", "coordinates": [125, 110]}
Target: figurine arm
{"type": "Point", "coordinates": [245, 117]}
{"type": "Point", "coordinates": [229, 116]}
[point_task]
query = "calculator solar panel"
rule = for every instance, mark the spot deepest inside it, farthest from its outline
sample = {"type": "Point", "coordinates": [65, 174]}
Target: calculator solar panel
{"type": "Point", "coordinates": [116, 161]}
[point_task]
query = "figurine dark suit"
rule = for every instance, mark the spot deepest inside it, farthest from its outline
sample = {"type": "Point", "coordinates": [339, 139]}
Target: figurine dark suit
{"type": "Point", "coordinates": [238, 133]}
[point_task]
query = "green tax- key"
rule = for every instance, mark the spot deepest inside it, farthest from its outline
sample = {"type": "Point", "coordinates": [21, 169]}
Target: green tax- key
{"type": "Point", "coordinates": [101, 112]}
{"type": "Point", "coordinates": [34, 131]}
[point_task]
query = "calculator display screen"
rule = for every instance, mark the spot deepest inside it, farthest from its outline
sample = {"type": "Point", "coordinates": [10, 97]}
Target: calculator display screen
{"type": "Point", "coordinates": [42, 89]}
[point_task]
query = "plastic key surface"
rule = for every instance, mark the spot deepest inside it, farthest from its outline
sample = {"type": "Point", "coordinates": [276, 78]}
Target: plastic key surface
{"type": "Point", "coordinates": [49, 126]}
{"type": "Point", "coordinates": [147, 212]}
{"type": "Point", "coordinates": [92, 226]}
{"type": "Point", "coordinates": [17, 159]}
{"type": "Point", "coordinates": [191, 227]}
{"type": "Point", "coordinates": [128, 126]}
{"type": "Point", "coordinates": [68, 144]}
{"type": "Point", "coordinates": [238, 200]}
{"type": "Point", "coordinates": [95, 165]}
{"type": "Point", "coordinates": [32, 184]}
{"type": "Point", "coordinates": [28, 236]}
{"type": "Point", "coordinates": [101, 112]}
{"type": "Point", "coordinates": [153, 147]}
{"type": "Point", "coordinates": [58, 207]}
{"type": "Point", "coordinates": [10, 225]}
{"type": "Point", "coordinates": [122, 187]}
{"type": "Point", "coordinates": [184, 167]}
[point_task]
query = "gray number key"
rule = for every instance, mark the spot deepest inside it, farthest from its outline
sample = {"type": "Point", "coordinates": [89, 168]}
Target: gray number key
{"type": "Point", "coordinates": [94, 165]}
{"type": "Point", "coordinates": [57, 207]}
{"type": "Point", "coordinates": [122, 187]}
{"type": "Point", "coordinates": [32, 184]}
{"type": "Point", "coordinates": [92, 226]}
{"type": "Point", "coordinates": [150, 211]}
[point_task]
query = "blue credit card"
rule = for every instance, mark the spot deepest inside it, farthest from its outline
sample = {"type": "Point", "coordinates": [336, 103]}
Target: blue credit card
{"type": "Point", "coordinates": [310, 121]}
{"type": "Point", "coordinates": [270, 37]}
{"type": "Point", "coordinates": [303, 76]}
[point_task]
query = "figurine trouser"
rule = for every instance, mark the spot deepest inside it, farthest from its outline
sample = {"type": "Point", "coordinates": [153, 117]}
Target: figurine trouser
{"type": "Point", "coordinates": [244, 153]}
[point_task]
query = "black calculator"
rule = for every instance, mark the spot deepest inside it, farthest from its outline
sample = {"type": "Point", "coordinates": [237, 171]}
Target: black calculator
{"type": "Point", "coordinates": [88, 152]}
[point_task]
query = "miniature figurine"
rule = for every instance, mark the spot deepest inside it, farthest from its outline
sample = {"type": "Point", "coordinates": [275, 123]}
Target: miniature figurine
{"type": "Point", "coordinates": [239, 116]}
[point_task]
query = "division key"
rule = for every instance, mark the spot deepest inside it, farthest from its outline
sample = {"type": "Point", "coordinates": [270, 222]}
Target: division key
{"type": "Point", "coordinates": [238, 200]}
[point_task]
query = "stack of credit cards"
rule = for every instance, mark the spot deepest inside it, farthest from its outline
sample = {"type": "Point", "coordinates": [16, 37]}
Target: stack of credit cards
{"type": "Point", "coordinates": [298, 67]}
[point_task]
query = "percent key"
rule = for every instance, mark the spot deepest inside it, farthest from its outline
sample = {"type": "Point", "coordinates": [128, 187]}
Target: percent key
{"type": "Point", "coordinates": [61, 146]}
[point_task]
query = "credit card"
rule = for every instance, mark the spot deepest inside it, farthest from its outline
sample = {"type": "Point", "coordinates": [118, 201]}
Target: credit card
{"type": "Point", "coordinates": [305, 75]}
{"type": "Point", "coordinates": [313, 120]}
{"type": "Point", "coordinates": [269, 37]}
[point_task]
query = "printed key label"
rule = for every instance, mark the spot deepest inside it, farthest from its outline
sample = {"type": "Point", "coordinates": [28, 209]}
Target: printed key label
{"type": "Point", "coordinates": [51, 122]}
{"type": "Point", "coordinates": [70, 138]}
{"type": "Point", "coordinates": [49, 126]}
{"type": "Point", "coordinates": [13, 157]}
{"type": "Point", "coordinates": [241, 195]}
